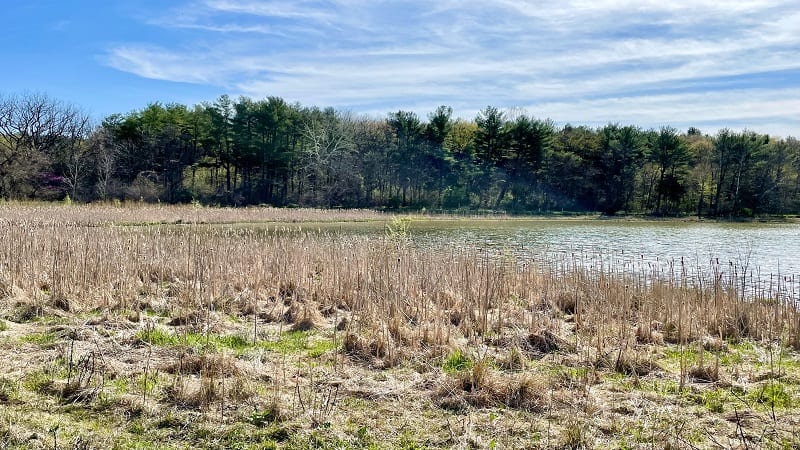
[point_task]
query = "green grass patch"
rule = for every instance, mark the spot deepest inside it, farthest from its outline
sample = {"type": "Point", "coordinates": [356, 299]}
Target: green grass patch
{"type": "Point", "coordinates": [163, 338]}
{"type": "Point", "coordinates": [772, 395]}
{"type": "Point", "coordinates": [145, 385]}
{"type": "Point", "coordinates": [38, 381]}
{"type": "Point", "coordinates": [455, 362]}
{"type": "Point", "coordinates": [663, 387]}
{"type": "Point", "coordinates": [288, 342]}
{"type": "Point", "coordinates": [232, 342]}
{"type": "Point", "coordinates": [714, 400]}
{"type": "Point", "coordinates": [731, 358]}
{"type": "Point", "coordinates": [120, 385]}
{"type": "Point", "coordinates": [319, 347]}
{"type": "Point", "coordinates": [252, 437]}
{"type": "Point", "coordinates": [3, 325]}
{"type": "Point", "coordinates": [40, 339]}
{"type": "Point", "coordinates": [157, 336]}
{"type": "Point", "coordinates": [788, 361]}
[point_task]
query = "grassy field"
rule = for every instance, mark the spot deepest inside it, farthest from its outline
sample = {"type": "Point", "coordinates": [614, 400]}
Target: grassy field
{"type": "Point", "coordinates": [180, 335]}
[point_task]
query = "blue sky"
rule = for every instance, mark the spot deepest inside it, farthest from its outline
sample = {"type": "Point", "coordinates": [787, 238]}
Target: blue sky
{"type": "Point", "coordinates": [704, 63]}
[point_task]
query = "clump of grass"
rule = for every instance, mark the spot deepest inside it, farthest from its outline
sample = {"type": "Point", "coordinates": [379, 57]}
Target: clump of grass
{"type": "Point", "coordinates": [39, 381]}
{"type": "Point", "coordinates": [455, 362]}
{"type": "Point", "coordinates": [645, 334]}
{"type": "Point", "coordinates": [24, 312]}
{"type": "Point", "coordinates": [320, 347]}
{"type": "Point", "coordinates": [716, 400]}
{"type": "Point", "coordinates": [233, 342]}
{"type": "Point", "coordinates": [288, 342]}
{"type": "Point", "coordinates": [163, 338]}
{"type": "Point", "coordinates": [479, 385]}
{"type": "Point", "coordinates": [41, 339]}
{"type": "Point", "coordinates": [377, 348]}
{"type": "Point", "coordinates": [206, 391]}
{"type": "Point", "coordinates": [513, 360]}
{"type": "Point", "coordinates": [545, 341]}
{"type": "Point", "coordinates": [575, 435]}
{"type": "Point", "coordinates": [702, 370]}
{"type": "Point", "coordinates": [8, 390]}
{"type": "Point", "coordinates": [628, 362]}
{"type": "Point", "coordinates": [773, 394]}
{"type": "Point", "coordinates": [566, 302]}
{"type": "Point", "coordinates": [270, 414]}
{"type": "Point", "coordinates": [213, 365]}
{"type": "Point", "coordinates": [157, 336]}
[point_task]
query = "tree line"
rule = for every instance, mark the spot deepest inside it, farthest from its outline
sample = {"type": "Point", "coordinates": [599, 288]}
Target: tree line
{"type": "Point", "coordinates": [245, 151]}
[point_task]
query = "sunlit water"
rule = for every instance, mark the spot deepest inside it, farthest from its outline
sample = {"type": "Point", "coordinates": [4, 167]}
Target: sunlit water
{"type": "Point", "coordinates": [760, 259]}
{"type": "Point", "coordinates": [763, 259]}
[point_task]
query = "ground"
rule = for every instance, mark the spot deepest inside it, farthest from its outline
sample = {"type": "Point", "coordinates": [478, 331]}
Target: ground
{"type": "Point", "coordinates": [175, 336]}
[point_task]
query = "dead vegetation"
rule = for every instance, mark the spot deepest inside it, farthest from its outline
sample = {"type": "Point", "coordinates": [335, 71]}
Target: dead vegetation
{"type": "Point", "coordinates": [234, 336]}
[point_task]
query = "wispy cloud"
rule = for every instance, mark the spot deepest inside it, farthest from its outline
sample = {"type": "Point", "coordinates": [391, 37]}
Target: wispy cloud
{"type": "Point", "coordinates": [648, 62]}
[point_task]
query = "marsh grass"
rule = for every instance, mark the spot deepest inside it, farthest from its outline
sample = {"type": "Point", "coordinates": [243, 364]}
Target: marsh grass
{"type": "Point", "coordinates": [239, 330]}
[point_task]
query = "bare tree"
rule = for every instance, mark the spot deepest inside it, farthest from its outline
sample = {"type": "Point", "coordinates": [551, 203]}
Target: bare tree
{"type": "Point", "coordinates": [325, 160]}
{"type": "Point", "coordinates": [105, 154]}
{"type": "Point", "coordinates": [76, 153]}
{"type": "Point", "coordinates": [34, 131]}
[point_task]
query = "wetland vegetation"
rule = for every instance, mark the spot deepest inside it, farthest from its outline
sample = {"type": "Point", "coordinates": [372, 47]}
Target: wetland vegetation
{"type": "Point", "coordinates": [183, 326]}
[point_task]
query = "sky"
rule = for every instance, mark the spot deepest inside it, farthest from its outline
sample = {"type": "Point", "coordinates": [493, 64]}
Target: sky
{"type": "Point", "coordinates": [710, 64]}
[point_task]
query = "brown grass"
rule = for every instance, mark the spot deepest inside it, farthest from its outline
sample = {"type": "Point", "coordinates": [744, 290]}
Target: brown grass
{"type": "Point", "coordinates": [379, 301]}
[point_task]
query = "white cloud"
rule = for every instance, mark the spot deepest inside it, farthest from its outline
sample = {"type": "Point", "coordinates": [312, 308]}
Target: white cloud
{"type": "Point", "coordinates": [579, 60]}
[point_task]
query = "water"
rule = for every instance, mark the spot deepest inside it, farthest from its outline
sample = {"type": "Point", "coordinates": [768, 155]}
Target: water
{"type": "Point", "coordinates": [762, 259]}
{"type": "Point", "coordinates": [759, 259]}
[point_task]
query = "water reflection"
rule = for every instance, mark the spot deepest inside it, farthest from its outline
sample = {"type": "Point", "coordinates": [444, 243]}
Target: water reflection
{"type": "Point", "coordinates": [759, 259]}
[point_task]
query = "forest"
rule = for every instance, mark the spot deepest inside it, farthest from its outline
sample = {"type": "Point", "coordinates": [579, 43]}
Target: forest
{"type": "Point", "coordinates": [244, 152]}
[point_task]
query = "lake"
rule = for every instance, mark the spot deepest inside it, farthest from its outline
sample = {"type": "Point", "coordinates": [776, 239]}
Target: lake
{"type": "Point", "coordinates": [762, 257]}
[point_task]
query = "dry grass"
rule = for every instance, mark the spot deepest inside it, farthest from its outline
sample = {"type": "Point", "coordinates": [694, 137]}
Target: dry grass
{"type": "Point", "coordinates": [219, 328]}
{"type": "Point", "coordinates": [135, 213]}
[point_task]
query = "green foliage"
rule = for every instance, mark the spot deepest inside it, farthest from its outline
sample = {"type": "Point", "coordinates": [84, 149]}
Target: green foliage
{"type": "Point", "coordinates": [157, 336]}
{"type": "Point", "coordinates": [715, 400]}
{"type": "Point", "coordinates": [263, 418]}
{"type": "Point", "coordinates": [409, 442]}
{"type": "Point", "coordinates": [41, 339]}
{"type": "Point", "coordinates": [212, 342]}
{"type": "Point", "coordinates": [288, 342]}
{"type": "Point", "coordinates": [399, 228]}
{"type": "Point", "coordinates": [773, 394]}
{"type": "Point", "coordinates": [575, 435]}
{"type": "Point", "coordinates": [38, 381]}
{"type": "Point", "coordinates": [246, 151]}
{"type": "Point", "coordinates": [232, 342]}
{"type": "Point", "coordinates": [320, 347]}
{"type": "Point", "coordinates": [456, 362]}
{"type": "Point", "coordinates": [248, 437]}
